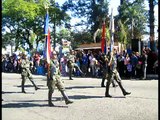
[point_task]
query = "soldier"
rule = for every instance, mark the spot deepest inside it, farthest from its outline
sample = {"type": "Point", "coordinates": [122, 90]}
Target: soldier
{"type": "Point", "coordinates": [71, 64]}
{"type": "Point", "coordinates": [114, 75]}
{"type": "Point", "coordinates": [54, 80]}
{"type": "Point", "coordinates": [26, 73]}
{"type": "Point", "coordinates": [104, 59]}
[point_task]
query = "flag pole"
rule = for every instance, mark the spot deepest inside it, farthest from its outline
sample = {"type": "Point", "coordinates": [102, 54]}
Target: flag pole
{"type": "Point", "coordinates": [46, 37]}
{"type": "Point", "coordinates": [111, 31]}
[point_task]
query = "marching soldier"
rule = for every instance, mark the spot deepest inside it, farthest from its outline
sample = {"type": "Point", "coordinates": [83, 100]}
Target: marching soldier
{"type": "Point", "coordinates": [54, 80]}
{"type": "Point", "coordinates": [114, 75]}
{"type": "Point", "coordinates": [104, 59]}
{"type": "Point", "coordinates": [26, 73]}
{"type": "Point", "coordinates": [71, 64]}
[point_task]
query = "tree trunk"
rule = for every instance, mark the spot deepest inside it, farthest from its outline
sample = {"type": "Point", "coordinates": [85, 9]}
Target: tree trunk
{"type": "Point", "coordinates": [151, 24]}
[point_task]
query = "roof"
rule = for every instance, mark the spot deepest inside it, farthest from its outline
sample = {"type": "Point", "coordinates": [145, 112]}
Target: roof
{"type": "Point", "coordinates": [90, 46]}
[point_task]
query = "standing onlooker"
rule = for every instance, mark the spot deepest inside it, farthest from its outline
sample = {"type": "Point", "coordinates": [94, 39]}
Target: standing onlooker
{"type": "Point", "coordinates": [126, 61]}
{"type": "Point", "coordinates": [134, 61]}
{"type": "Point", "coordinates": [139, 66]}
{"type": "Point", "coordinates": [120, 64]}
{"type": "Point", "coordinates": [144, 63]}
{"type": "Point", "coordinates": [93, 64]}
{"type": "Point", "coordinates": [84, 63]}
{"type": "Point", "coordinates": [129, 70]}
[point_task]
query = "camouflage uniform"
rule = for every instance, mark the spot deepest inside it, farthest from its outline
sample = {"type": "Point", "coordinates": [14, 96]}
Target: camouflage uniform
{"type": "Point", "coordinates": [104, 59]}
{"type": "Point", "coordinates": [71, 64]}
{"type": "Point", "coordinates": [26, 73]}
{"type": "Point", "coordinates": [54, 80]}
{"type": "Point", "coordinates": [113, 74]}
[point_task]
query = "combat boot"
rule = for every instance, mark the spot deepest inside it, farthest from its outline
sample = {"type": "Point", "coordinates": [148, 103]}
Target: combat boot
{"type": "Point", "coordinates": [107, 91]}
{"type": "Point", "coordinates": [123, 90]}
{"type": "Point", "coordinates": [50, 99]}
{"type": "Point", "coordinates": [102, 83]}
{"type": "Point", "coordinates": [35, 86]}
{"type": "Point", "coordinates": [23, 91]}
{"type": "Point", "coordinates": [67, 100]}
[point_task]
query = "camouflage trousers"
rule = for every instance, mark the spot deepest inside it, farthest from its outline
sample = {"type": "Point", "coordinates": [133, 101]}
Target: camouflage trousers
{"type": "Point", "coordinates": [114, 75]}
{"type": "Point", "coordinates": [54, 82]}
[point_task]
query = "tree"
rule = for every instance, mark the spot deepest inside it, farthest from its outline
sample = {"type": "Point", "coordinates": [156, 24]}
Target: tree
{"type": "Point", "coordinates": [134, 16]}
{"type": "Point", "coordinates": [24, 17]}
{"type": "Point", "coordinates": [93, 10]}
{"type": "Point", "coordinates": [152, 3]}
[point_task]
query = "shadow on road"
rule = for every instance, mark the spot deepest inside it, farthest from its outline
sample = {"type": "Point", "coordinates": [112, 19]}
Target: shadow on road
{"type": "Point", "coordinates": [82, 87]}
{"type": "Point", "coordinates": [84, 97]}
{"type": "Point", "coordinates": [26, 105]}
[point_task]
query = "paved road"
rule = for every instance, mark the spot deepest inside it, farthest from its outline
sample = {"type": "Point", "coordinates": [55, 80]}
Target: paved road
{"type": "Point", "coordinates": [88, 96]}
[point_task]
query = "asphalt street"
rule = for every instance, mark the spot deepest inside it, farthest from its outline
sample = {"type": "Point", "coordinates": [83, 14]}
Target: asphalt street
{"type": "Point", "coordinates": [89, 100]}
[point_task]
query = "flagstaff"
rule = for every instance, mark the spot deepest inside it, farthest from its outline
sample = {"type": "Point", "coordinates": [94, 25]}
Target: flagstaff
{"type": "Point", "coordinates": [47, 39]}
{"type": "Point", "coordinates": [111, 31]}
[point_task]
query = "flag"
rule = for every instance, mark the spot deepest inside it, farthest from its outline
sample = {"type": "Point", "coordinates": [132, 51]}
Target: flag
{"type": "Point", "coordinates": [112, 31]}
{"type": "Point", "coordinates": [46, 24]}
{"type": "Point", "coordinates": [47, 49]}
{"type": "Point", "coordinates": [103, 40]}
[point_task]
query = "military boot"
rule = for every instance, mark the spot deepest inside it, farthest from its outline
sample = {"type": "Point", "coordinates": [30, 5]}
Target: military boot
{"type": "Point", "coordinates": [107, 90]}
{"type": "Point", "coordinates": [50, 99]}
{"type": "Point", "coordinates": [35, 86]}
{"type": "Point", "coordinates": [102, 83]}
{"type": "Point", "coordinates": [113, 84]}
{"type": "Point", "coordinates": [23, 91]}
{"type": "Point", "coordinates": [67, 100]}
{"type": "Point", "coordinates": [123, 90]}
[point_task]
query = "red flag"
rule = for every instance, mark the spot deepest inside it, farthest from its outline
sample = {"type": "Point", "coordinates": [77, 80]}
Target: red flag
{"type": "Point", "coordinates": [103, 41]}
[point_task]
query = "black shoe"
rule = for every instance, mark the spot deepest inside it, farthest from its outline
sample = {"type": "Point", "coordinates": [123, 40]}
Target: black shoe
{"type": "Point", "coordinates": [51, 104]}
{"type": "Point", "coordinates": [108, 96]}
{"type": "Point", "coordinates": [103, 86]}
{"type": "Point", "coordinates": [115, 85]}
{"type": "Point", "coordinates": [23, 91]}
{"type": "Point", "coordinates": [68, 102]}
{"type": "Point", "coordinates": [126, 93]}
{"type": "Point", "coordinates": [37, 88]}
{"type": "Point", "coordinates": [71, 79]}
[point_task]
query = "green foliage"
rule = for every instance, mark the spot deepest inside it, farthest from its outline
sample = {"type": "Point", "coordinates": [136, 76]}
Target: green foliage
{"type": "Point", "coordinates": [94, 11]}
{"type": "Point", "coordinates": [133, 11]}
{"type": "Point", "coordinates": [22, 17]}
{"type": "Point", "coordinates": [122, 33]}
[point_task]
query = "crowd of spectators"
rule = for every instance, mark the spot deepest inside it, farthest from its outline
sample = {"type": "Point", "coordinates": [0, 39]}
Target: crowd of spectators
{"type": "Point", "coordinates": [129, 65]}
